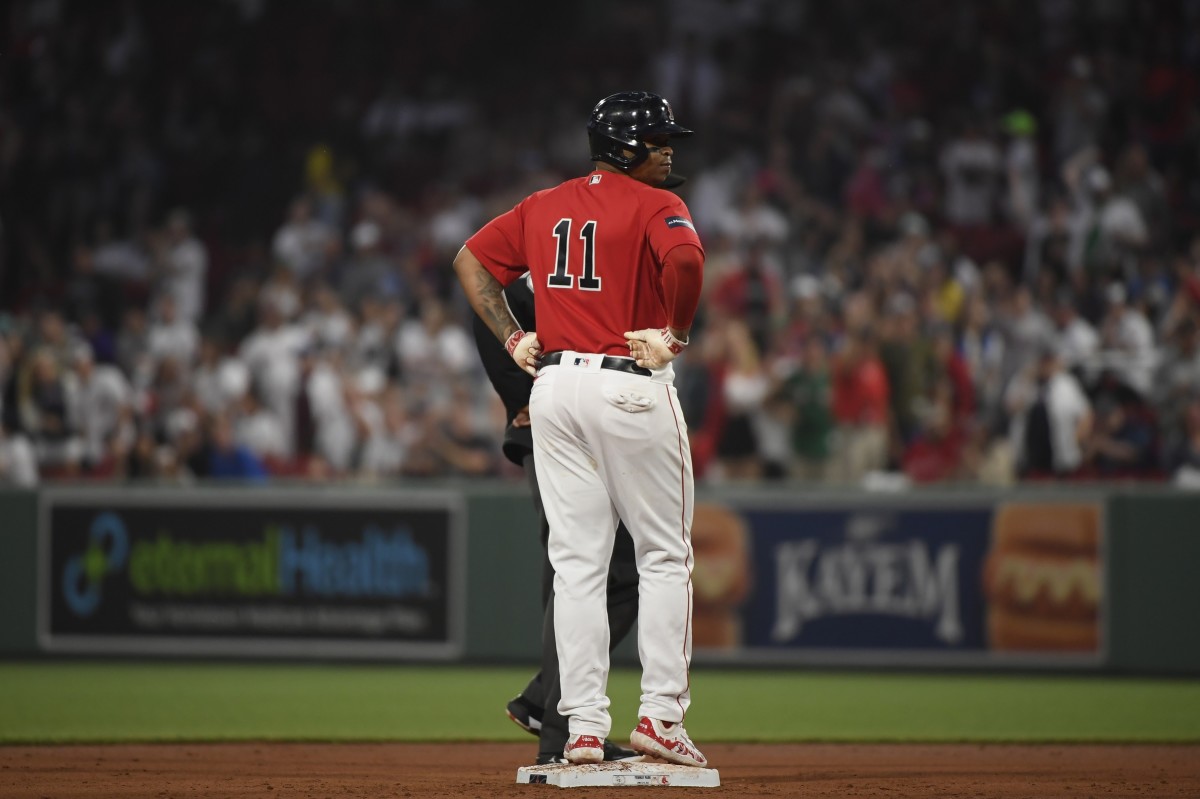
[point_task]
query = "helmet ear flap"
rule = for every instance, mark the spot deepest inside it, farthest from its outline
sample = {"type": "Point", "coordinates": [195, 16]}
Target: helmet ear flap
{"type": "Point", "coordinates": [611, 150]}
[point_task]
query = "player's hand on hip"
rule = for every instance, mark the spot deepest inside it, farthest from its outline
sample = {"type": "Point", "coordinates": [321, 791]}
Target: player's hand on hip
{"type": "Point", "coordinates": [653, 348]}
{"type": "Point", "coordinates": [525, 349]}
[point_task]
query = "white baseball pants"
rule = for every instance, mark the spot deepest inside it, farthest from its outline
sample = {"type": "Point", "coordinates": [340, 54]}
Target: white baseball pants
{"type": "Point", "coordinates": [610, 445]}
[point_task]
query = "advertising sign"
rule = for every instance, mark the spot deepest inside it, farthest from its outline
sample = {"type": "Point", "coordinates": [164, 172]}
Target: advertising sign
{"type": "Point", "coordinates": [256, 573]}
{"type": "Point", "coordinates": [905, 581]}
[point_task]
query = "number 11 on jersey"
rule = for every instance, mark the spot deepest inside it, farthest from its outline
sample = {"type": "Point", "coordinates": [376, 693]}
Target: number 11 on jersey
{"type": "Point", "coordinates": [562, 277]}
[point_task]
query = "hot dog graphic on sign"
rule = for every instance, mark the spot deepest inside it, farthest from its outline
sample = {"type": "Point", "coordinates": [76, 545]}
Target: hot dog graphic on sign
{"type": "Point", "coordinates": [1042, 578]}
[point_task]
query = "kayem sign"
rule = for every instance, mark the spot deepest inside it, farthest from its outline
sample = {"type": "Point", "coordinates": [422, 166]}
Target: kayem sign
{"type": "Point", "coordinates": [247, 572]}
{"type": "Point", "coordinates": [911, 580]}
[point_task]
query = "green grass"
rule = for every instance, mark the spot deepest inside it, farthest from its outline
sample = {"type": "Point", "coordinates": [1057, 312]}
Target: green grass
{"type": "Point", "coordinates": [171, 701]}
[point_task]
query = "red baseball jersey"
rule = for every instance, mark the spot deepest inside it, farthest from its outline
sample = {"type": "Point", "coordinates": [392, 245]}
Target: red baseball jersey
{"type": "Point", "coordinates": [594, 247]}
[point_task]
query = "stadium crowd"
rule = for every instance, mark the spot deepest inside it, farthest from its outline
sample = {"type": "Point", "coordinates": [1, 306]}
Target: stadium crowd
{"type": "Point", "coordinates": [945, 241]}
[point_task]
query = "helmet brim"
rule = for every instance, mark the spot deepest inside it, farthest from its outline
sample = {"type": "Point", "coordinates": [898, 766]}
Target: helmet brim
{"type": "Point", "coordinates": [670, 129]}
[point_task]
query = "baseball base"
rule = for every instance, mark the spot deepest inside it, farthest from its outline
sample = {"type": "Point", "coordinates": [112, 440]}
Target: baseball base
{"type": "Point", "coordinates": [619, 775]}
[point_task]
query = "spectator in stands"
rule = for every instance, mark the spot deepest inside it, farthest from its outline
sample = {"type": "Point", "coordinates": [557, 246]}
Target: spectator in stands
{"type": "Point", "coordinates": [344, 414]}
{"type": "Point", "coordinates": [936, 452]}
{"type": "Point", "coordinates": [1051, 418]}
{"type": "Point", "coordinates": [1049, 240]}
{"type": "Point", "coordinates": [808, 395]}
{"type": "Point", "coordinates": [46, 403]}
{"type": "Point", "coordinates": [217, 378]}
{"type": "Point", "coordinates": [105, 410]}
{"type": "Point", "coordinates": [326, 320]}
{"type": "Point", "coordinates": [1140, 183]}
{"type": "Point", "coordinates": [1127, 340]}
{"type": "Point", "coordinates": [460, 447]}
{"type": "Point", "coordinates": [172, 335]}
{"type": "Point", "coordinates": [972, 166]}
{"type": "Point", "coordinates": [941, 288]}
{"type": "Point", "coordinates": [169, 390]}
{"type": "Point", "coordinates": [745, 385]}
{"type": "Point", "coordinates": [283, 290]}
{"type": "Point", "coordinates": [257, 429]}
{"type": "Point", "coordinates": [1077, 341]}
{"type": "Point", "coordinates": [1108, 230]}
{"type": "Point", "coordinates": [369, 391]}
{"type": "Point", "coordinates": [981, 343]}
{"type": "Point", "coordinates": [378, 327]}
{"type": "Point", "coordinates": [908, 362]}
{"type": "Point", "coordinates": [227, 459]}
{"type": "Point", "coordinates": [181, 262]}
{"type": "Point", "coordinates": [808, 316]}
{"type": "Point", "coordinates": [304, 244]}
{"type": "Point", "coordinates": [751, 289]}
{"type": "Point", "coordinates": [1078, 108]}
{"type": "Point", "coordinates": [435, 348]}
{"type": "Point", "coordinates": [369, 274]}
{"type": "Point", "coordinates": [1177, 379]}
{"type": "Point", "coordinates": [53, 336]}
{"type": "Point", "coordinates": [866, 196]}
{"type": "Point", "coordinates": [133, 347]}
{"type": "Point", "coordinates": [860, 408]}
{"type": "Point", "coordinates": [1121, 443]}
{"type": "Point", "coordinates": [18, 463]}
{"type": "Point", "coordinates": [385, 453]}
{"type": "Point", "coordinates": [699, 372]}
{"type": "Point", "coordinates": [271, 353]}
{"type": "Point", "coordinates": [1021, 175]}
{"type": "Point", "coordinates": [950, 371]}
{"type": "Point", "coordinates": [175, 455]}
{"type": "Point", "coordinates": [235, 317]}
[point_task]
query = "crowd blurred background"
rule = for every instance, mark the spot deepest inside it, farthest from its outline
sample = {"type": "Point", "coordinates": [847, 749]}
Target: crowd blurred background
{"type": "Point", "coordinates": [946, 241]}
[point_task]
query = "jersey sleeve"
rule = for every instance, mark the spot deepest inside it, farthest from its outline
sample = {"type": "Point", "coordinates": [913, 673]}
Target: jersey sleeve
{"type": "Point", "coordinates": [500, 245]}
{"type": "Point", "coordinates": [669, 226]}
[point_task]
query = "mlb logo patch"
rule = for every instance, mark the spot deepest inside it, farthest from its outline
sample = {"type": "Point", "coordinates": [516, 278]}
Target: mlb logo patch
{"type": "Point", "coordinates": [593, 180]}
{"type": "Point", "coordinates": [582, 361]}
{"type": "Point", "coordinates": [680, 221]}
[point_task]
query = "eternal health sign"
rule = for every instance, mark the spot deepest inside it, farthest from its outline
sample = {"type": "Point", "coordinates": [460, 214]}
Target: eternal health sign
{"type": "Point", "coordinates": [248, 572]}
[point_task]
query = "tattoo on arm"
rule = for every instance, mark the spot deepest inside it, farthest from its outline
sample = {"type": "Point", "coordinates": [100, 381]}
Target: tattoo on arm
{"type": "Point", "coordinates": [491, 307]}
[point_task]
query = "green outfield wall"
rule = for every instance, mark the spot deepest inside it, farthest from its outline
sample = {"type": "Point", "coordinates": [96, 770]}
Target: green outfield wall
{"type": "Point", "coordinates": [451, 573]}
{"type": "Point", "coordinates": [18, 573]}
{"type": "Point", "coordinates": [1155, 582]}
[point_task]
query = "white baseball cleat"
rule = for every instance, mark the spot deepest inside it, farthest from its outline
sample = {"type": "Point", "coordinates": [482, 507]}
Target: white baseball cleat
{"type": "Point", "coordinates": [666, 740]}
{"type": "Point", "coordinates": [584, 749]}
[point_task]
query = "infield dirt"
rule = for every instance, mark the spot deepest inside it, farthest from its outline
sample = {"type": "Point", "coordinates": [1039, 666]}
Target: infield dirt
{"type": "Point", "coordinates": [417, 771]}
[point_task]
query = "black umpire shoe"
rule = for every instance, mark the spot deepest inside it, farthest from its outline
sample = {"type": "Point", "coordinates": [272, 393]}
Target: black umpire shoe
{"type": "Point", "coordinates": [528, 717]}
{"type": "Point", "coordinates": [525, 715]}
{"type": "Point", "coordinates": [612, 754]}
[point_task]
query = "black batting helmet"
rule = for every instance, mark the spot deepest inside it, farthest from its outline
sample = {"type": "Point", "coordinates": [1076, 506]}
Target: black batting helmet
{"type": "Point", "coordinates": [621, 121]}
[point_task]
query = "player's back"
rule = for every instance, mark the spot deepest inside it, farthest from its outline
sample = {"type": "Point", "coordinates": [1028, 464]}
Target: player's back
{"type": "Point", "coordinates": [594, 267]}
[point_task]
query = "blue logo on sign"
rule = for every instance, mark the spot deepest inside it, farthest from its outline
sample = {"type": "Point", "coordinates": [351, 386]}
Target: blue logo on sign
{"type": "Point", "coordinates": [83, 576]}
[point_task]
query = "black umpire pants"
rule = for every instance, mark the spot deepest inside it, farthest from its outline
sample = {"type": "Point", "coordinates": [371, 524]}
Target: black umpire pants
{"type": "Point", "coordinates": [544, 689]}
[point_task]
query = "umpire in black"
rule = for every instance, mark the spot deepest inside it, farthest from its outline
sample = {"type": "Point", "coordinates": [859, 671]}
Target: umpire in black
{"type": "Point", "coordinates": [536, 708]}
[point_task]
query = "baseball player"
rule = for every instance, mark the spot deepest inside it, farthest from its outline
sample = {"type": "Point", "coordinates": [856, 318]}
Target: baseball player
{"type": "Point", "coordinates": [617, 267]}
{"type": "Point", "coordinates": [536, 708]}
